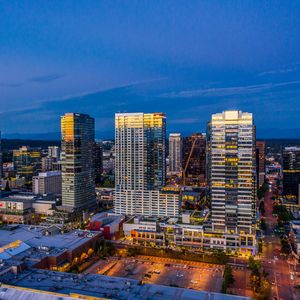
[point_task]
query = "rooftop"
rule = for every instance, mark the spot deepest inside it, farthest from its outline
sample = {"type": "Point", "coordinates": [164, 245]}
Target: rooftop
{"type": "Point", "coordinates": [105, 287]}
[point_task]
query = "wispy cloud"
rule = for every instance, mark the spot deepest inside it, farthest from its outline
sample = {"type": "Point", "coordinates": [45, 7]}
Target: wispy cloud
{"type": "Point", "coordinates": [227, 91]}
{"type": "Point", "coordinates": [283, 70]}
{"type": "Point", "coordinates": [10, 84]}
{"type": "Point", "coordinates": [46, 78]}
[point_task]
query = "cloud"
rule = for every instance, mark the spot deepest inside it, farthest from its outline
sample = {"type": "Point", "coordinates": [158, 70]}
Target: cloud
{"type": "Point", "coordinates": [227, 91]}
{"type": "Point", "coordinates": [46, 78]}
{"type": "Point", "coordinates": [12, 85]}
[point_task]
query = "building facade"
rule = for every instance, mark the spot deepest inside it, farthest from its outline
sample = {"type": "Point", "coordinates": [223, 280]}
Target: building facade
{"type": "Point", "coordinates": [47, 183]}
{"type": "Point", "coordinates": [140, 149]}
{"type": "Point", "coordinates": [140, 173]}
{"type": "Point", "coordinates": [98, 154]}
{"type": "Point", "coordinates": [260, 162]}
{"type": "Point", "coordinates": [175, 153]}
{"type": "Point", "coordinates": [232, 182]}
{"type": "Point", "coordinates": [149, 203]}
{"type": "Point", "coordinates": [291, 171]}
{"type": "Point", "coordinates": [27, 161]}
{"type": "Point", "coordinates": [194, 160]}
{"type": "Point", "coordinates": [78, 170]}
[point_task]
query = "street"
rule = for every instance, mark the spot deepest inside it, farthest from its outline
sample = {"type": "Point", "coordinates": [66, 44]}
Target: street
{"type": "Point", "coordinates": [273, 262]}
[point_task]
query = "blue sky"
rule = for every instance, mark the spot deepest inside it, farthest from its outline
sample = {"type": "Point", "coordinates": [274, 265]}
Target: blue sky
{"type": "Point", "coordinates": [186, 58]}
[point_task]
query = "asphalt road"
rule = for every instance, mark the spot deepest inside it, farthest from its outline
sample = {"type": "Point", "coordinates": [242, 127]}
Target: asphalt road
{"type": "Point", "coordinates": [273, 262]}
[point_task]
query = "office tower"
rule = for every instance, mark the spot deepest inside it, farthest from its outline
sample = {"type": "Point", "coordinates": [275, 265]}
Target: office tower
{"type": "Point", "coordinates": [47, 183]}
{"type": "Point", "coordinates": [27, 162]}
{"type": "Point", "coordinates": [260, 162]}
{"type": "Point", "coordinates": [47, 163]}
{"type": "Point", "coordinates": [140, 173]}
{"type": "Point", "coordinates": [54, 152]}
{"type": "Point", "coordinates": [232, 188]}
{"type": "Point", "coordinates": [98, 156]}
{"type": "Point", "coordinates": [140, 147]}
{"type": "Point", "coordinates": [78, 182]}
{"type": "Point", "coordinates": [194, 160]}
{"type": "Point", "coordinates": [175, 153]}
{"type": "Point", "coordinates": [291, 171]}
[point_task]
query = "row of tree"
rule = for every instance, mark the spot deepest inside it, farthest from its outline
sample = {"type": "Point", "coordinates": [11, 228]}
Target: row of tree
{"type": "Point", "coordinates": [258, 279]}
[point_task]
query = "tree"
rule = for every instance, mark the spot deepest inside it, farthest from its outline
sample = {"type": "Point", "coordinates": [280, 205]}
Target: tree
{"type": "Point", "coordinates": [7, 187]}
{"type": "Point", "coordinates": [228, 278]}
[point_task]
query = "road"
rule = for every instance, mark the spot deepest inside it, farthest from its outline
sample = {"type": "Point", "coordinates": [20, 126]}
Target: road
{"type": "Point", "coordinates": [276, 265]}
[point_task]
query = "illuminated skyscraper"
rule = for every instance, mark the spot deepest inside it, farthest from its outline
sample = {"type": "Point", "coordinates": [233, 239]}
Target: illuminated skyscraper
{"type": "Point", "coordinates": [140, 173]}
{"type": "Point", "coordinates": [232, 183]}
{"type": "Point", "coordinates": [175, 152]}
{"type": "Point", "coordinates": [291, 171]}
{"type": "Point", "coordinates": [78, 185]}
{"type": "Point", "coordinates": [27, 161]}
{"type": "Point", "coordinates": [140, 146]}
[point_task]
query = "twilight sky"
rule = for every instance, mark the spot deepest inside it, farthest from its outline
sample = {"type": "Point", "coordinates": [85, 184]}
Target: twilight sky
{"type": "Point", "coordinates": [188, 59]}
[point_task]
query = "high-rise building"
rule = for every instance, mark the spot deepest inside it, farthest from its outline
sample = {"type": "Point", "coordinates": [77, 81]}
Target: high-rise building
{"type": "Point", "coordinates": [140, 173]}
{"type": "Point", "coordinates": [291, 171]}
{"type": "Point", "coordinates": [47, 183]}
{"type": "Point", "coordinates": [260, 162]}
{"type": "Point", "coordinates": [54, 152]}
{"type": "Point", "coordinates": [175, 153]}
{"type": "Point", "coordinates": [194, 160]}
{"type": "Point", "coordinates": [27, 162]}
{"type": "Point", "coordinates": [98, 156]}
{"type": "Point", "coordinates": [140, 147]}
{"type": "Point", "coordinates": [78, 182]}
{"type": "Point", "coordinates": [232, 182]}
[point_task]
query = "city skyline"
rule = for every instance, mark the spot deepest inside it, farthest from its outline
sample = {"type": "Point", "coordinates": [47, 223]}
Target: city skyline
{"type": "Point", "coordinates": [149, 54]}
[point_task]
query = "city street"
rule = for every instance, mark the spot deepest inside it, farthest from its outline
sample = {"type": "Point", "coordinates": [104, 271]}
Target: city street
{"type": "Point", "coordinates": [275, 264]}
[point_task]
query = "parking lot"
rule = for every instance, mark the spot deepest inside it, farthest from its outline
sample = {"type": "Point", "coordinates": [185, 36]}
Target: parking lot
{"type": "Point", "coordinates": [164, 271]}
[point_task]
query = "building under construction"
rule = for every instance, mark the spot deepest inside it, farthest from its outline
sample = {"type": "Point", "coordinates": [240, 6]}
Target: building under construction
{"type": "Point", "coordinates": [194, 160]}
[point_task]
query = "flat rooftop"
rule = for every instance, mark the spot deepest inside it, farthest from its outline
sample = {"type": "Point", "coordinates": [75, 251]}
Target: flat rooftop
{"type": "Point", "coordinates": [34, 237]}
{"type": "Point", "coordinates": [105, 287]}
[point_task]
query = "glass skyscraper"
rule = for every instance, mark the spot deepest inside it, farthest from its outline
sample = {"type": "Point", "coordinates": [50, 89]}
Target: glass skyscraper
{"type": "Point", "coordinates": [140, 146]}
{"type": "Point", "coordinates": [77, 145]}
{"type": "Point", "coordinates": [140, 173]}
{"type": "Point", "coordinates": [175, 153]}
{"type": "Point", "coordinates": [232, 182]}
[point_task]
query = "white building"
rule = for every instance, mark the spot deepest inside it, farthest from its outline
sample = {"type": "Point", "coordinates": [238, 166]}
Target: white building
{"type": "Point", "coordinates": [232, 182]}
{"type": "Point", "coordinates": [47, 182]}
{"type": "Point", "coordinates": [155, 203]}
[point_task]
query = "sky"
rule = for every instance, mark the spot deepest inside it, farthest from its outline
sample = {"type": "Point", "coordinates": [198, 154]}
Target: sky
{"type": "Point", "coordinates": [189, 59]}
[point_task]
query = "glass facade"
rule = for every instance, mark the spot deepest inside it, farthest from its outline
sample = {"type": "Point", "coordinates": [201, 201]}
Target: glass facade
{"type": "Point", "coordinates": [78, 171]}
{"type": "Point", "coordinates": [232, 169]}
{"type": "Point", "coordinates": [27, 162]}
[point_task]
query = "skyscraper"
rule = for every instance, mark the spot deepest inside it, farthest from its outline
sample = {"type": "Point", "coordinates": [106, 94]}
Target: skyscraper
{"type": "Point", "coordinates": [78, 183]}
{"type": "Point", "coordinates": [27, 161]}
{"type": "Point", "coordinates": [260, 162]}
{"type": "Point", "coordinates": [175, 153]}
{"type": "Point", "coordinates": [194, 160]}
{"type": "Point", "coordinates": [140, 173]}
{"type": "Point", "coordinates": [291, 171]}
{"type": "Point", "coordinates": [140, 146]}
{"type": "Point", "coordinates": [98, 154]}
{"type": "Point", "coordinates": [231, 161]}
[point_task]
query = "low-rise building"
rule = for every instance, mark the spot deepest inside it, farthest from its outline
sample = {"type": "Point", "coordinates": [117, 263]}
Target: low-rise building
{"type": "Point", "coordinates": [26, 208]}
{"type": "Point", "coordinates": [191, 230]}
